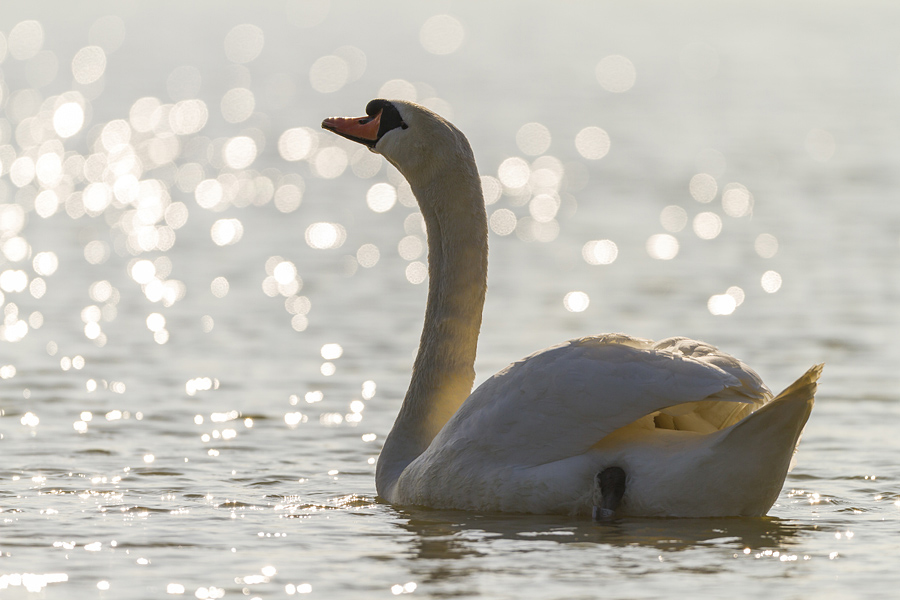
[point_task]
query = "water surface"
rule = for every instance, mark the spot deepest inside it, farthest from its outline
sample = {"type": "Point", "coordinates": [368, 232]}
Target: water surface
{"type": "Point", "coordinates": [210, 307]}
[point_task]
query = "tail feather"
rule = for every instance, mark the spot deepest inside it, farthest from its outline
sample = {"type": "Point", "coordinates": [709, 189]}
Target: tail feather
{"type": "Point", "coordinates": [773, 433]}
{"type": "Point", "coordinates": [805, 385]}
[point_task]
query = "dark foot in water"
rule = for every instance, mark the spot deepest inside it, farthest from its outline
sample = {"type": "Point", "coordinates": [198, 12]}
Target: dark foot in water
{"type": "Point", "coordinates": [612, 487]}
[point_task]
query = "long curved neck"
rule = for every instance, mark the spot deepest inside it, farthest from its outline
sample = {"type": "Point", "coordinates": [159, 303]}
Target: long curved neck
{"type": "Point", "coordinates": [453, 208]}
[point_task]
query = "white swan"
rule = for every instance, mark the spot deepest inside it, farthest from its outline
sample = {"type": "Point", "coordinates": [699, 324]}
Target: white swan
{"type": "Point", "coordinates": [611, 424]}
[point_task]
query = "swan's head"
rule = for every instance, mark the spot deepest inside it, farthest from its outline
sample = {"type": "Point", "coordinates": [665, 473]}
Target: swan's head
{"type": "Point", "coordinates": [420, 143]}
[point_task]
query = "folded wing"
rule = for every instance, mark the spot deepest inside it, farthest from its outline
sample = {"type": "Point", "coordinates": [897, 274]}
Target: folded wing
{"type": "Point", "coordinates": [559, 402]}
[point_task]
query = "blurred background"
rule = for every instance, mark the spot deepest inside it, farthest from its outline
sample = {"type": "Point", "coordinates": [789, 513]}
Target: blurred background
{"type": "Point", "coordinates": [211, 306]}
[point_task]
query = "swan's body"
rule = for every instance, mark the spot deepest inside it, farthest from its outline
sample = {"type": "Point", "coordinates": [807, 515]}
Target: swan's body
{"type": "Point", "coordinates": [696, 431]}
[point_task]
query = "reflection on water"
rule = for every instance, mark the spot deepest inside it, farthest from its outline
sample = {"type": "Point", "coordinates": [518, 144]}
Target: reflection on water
{"type": "Point", "coordinates": [452, 551]}
{"type": "Point", "coordinates": [451, 534]}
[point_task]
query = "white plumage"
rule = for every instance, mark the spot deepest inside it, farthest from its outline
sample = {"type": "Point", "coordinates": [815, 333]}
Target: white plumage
{"type": "Point", "coordinates": [696, 431]}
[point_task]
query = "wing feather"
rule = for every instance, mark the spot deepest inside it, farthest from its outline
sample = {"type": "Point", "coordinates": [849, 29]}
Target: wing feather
{"type": "Point", "coordinates": [559, 402]}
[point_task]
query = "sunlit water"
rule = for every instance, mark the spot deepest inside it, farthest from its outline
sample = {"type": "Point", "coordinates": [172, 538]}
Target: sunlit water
{"type": "Point", "coordinates": [210, 307]}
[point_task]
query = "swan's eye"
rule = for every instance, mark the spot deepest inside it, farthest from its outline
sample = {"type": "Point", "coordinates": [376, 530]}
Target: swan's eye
{"type": "Point", "coordinates": [403, 125]}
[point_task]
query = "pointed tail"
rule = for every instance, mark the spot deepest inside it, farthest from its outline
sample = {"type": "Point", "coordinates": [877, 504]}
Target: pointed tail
{"type": "Point", "coordinates": [804, 389]}
{"type": "Point", "coordinates": [781, 421]}
{"type": "Point", "coordinates": [767, 439]}
{"type": "Point", "coordinates": [805, 386]}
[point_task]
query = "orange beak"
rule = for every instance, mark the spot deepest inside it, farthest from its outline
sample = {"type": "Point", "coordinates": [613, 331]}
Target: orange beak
{"type": "Point", "coordinates": [363, 130]}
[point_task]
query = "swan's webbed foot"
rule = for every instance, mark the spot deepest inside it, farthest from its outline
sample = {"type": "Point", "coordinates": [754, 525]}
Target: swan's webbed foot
{"type": "Point", "coordinates": [612, 487]}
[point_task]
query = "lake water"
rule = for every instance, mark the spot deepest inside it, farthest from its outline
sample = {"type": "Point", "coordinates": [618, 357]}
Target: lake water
{"type": "Point", "coordinates": [210, 307]}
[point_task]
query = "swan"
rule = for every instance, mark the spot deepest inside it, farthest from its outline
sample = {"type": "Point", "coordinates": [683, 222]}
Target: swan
{"type": "Point", "coordinates": [608, 425]}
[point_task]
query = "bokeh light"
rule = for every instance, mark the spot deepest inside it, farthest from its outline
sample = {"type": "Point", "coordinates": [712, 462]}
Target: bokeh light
{"type": "Point", "coordinates": [240, 152]}
{"type": "Point", "coordinates": [297, 144]}
{"type": "Point", "coordinates": [411, 247]}
{"type": "Point", "coordinates": [285, 273]}
{"type": "Point", "coordinates": [673, 218]}
{"type": "Point", "coordinates": [416, 272]}
{"type": "Point", "coordinates": [770, 281]}
{"type": "Point", "coordinates": [143, 271]}
{"type": "Point", "coordinates": [189, 116]}
{"type": "Point", "coordinates": [398, 89]}
{"type": "Point", "coordinates": [329, 74]}
{"type": "Point", "coordinates": [703, 187]}
{"type": "Point", "coordinates": [737, 293]}
{"type": "Point", "coordinates": [529, 229]}
{"type": "Point", "coordinates": [368, 255]}
{"type": "Point", "coordinates": [156, 322]}
{"type": "Point", "coordinates": [721, 304]}
{"type": "Point", "coordinates": [21, 172]}
{"type": "Point", "coordinates": [46, 204]}
{"type": "Point", "coordinates": [209, 193]}
{"type": "Point", "coordinates": [592, 143]}
{"type": "Point", "coordinates": [381, 197]}
{"type": "Point", "coordinates": [533, 139]}
{"type": "Point", "coordinates": [616, 74]}
{"type": "Point", "coordinates": [737, 201]}
{"type": "Point", "coordinates": [15, 249]}
{"type": "Point", "coordinates": [442, 34]}
{"type": "Point", "coordinates": [766, 245]}
{"type": "Point", "coordinates": [289, 195]}
{"type": "Point", "coordinates": [244, 43]}
{"type": "Point", "coordinates": [13, 281]}
{"type": "Point", "coordinates": [330, 162]}
{"type": "Point", "coordinates": [25, 40]}
{"type": "Point", "coordinates": [322, 236]}
{"type": "Point", "coordinates": [707, 225]}
{"type": "Point", "coordinates": [225, 232]}
{"type": "Point", "coordinates": [600, 252]}
{"type": "Point", "coordinates": [237, 105]}
{"type": "Point", "coordinates": [491, 189]}
{"type": "Point", "coordinates": [96, 252]}
{"type": "Point", "coordinates": [331, 351]}
{"type": "Point", "coordinates": [89, 64]}
{"type": "Point", "coordinates": [514, 172]}
{"type": "Point", "coordinates": [503, 221]}
{"type": "Point", "coordinates": [219, 287]}
{"type": "Point", "coordinates": [543, 207]}
{"type": "Point", "coordinates": [662, 246]}
{"type": "Point", "coordinates": [576, 301]}
{"type": "Point", "coordinates": [45, 263]}
{"type": "Point", "coordinates": [145, 114]}
{"type": "Point", "coordinates": [48, 169]}
{"type": "Point", "coordinates": [365, 164]}
{"type": "Point", "coordinates": [68, 119]}
{"type": "Point", "coordinates": [356, 61]}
